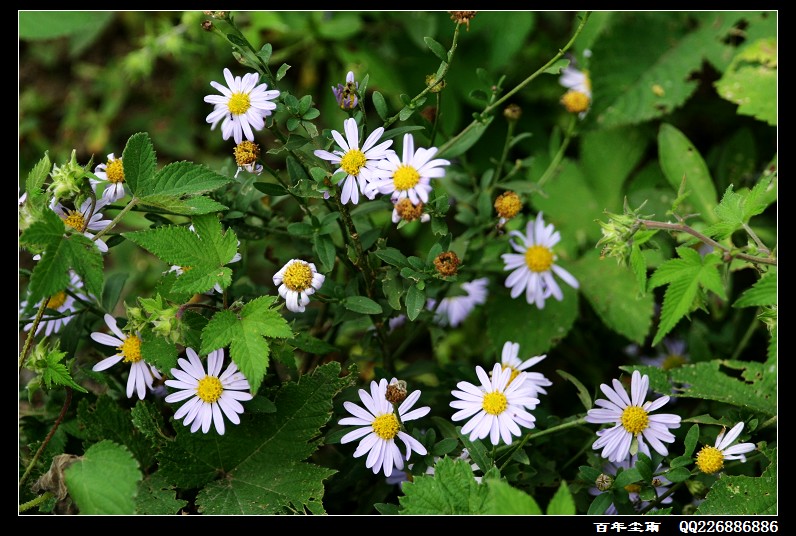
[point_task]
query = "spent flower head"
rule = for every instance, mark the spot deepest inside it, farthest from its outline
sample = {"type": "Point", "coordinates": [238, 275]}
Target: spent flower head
{"type": "Point", "coordinates": [533, 264]}
{"type": "Point", "coordinates": [604, 482]}
{"type": "Point", "coordinates": [633, 422]}
{"type": "Point", "coordinates": [379, 424]}
{"type": "Point", "coordinates": [246, 155]}
{"type": "Point", "coordinates": [447, 263]}
{"type": "Point", "coordinates": [405, 210]}
{"type": "Point", "coordinates": [507, 205]}
{"type": "Point", "coordinates": [242, 106]}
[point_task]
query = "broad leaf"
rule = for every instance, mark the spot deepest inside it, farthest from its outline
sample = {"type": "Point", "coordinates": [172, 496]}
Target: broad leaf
{"type": "Point", "coordinates": [744, 495]}
{"type": "Point", "coordinates": [104, 480]}
{"type": "Point", "coordinates": [452, 490]}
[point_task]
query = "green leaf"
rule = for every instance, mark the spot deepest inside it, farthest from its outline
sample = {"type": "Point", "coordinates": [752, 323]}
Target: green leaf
{"type": "Point", "coordinates": [536, 330]}
{"type": "Point", "coordinates": [744, 495]}
{"type": "Point", "coordinates": [678, 474]}
{"type": "Point", "coordinates": [468, 138]}
{"type": "Point", "coordinates": [188, 207]}
{"type": "Point", "coordinates": [156, 496]}
{"type": "Point", "coordinates": [38, 174]}
{"type": "Point", "coordinates": [56, 373]}
{"type": "Point", "coordinates": [139, 162]}
{"type": "Point", "coordinates": [361, 304]}
{"type": "Point", "coordinates": [271, 189]}
{"type": "Point", "coordinates": [265, 53]}
{"type": "Point", "coordinates": [392, 256]}
{"type": "Point", "coordinates": [415, 302]}
{"type": "Point", "coordinates": [750, 81]}
{"type": "Point", "coordinates": [380, 105]}
{"type": "Point", "coordinates": [245, 333]}
{"type": "Point", "coordinates": [312, 345]}
{"type": "Point", "coordinates": [282, 71]}
{"type": "Point", "coordinates": [113, 289]}
{"type": "Point", "coordinates": [600, 504]}
{"type": "Point", "coordinates": [691, 439]}
{"type": "Point", "coordinates": [324, 248]}
{"type": "Point", "coordinates": [148, 420]}
{"type": "Point", "coordinates": [763, 292]}
{"type": "Point", "coordinates": [181, 178]}
{"type": "Point", "coordinates": [104, 480]}
{"type": "Point", "coordinates": [627, 477]}
{"type": "Point", "coordinates": [679, 158]}
{"type": "Point", "coordinates": [583, 393]}
{"type": "Point", "coordinates": [159, 352]}
{"type": "Point", "coordinates": [503, 499]}
{"type": "Point", "coordinates": [36, 25]}
{"type": "Point", "coordinates": [259, 466]}
{"type": "Point", "coordinates": [451, 490]}
{"type": "Point", "coordinates": [615, 296]}
{"type": "Point", "coordinates": [438, 50]}
{"type": "Point", "coordinates": [685, 276]}
{"type": "Point", "coordinates": [562, 502]}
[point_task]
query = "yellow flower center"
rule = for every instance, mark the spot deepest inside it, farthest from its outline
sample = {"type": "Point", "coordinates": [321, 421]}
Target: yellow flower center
{"type": "Point", "coordinates": [575, 101]}
{"type": "Point", "coordinates": [131, 349]}
{"type": "Point", "coordinates": [514, 373]}
{"type": "Point", "coordinates": [508, 205]}
{"type": "Point", "coordinates": [75, 220]}
{"type": "Point", "coordinates": [538, 258]}
{"type": "Point", "coordinates": [353, 161]}
{"type": "Point", "coordinates": [495, 403]}
{"type": "Point", "coordinates": [115, 171]}
{"type": "Point", "coordinates": [56, 300]}
{"type": "Point", "coordinates": [209, 389]}
{"type": "Point", "coordinates": [635, 419]}
{"type": "Point", "coordinates": [386, 426]}
{"type": "Point", "coordinates": [709, 460]}
{"type": "Point", "coordinates": [673, 361]}
{"type": "Point", "coordinates": [405, 178]}
{"type": "Point", "coordinates": [246, 152]}
{"type": "Point", "coordinates": [298, 277]}
{"type": "Point", "coordinates": [239, 103]}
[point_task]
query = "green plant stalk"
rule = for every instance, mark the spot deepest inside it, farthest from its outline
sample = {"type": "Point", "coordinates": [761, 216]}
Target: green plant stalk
{"type": "Point", "coordinates": [116, 220]}
{"type": "Point", "coordinates": [728, 254]}
{"type": "Point", "coordinates": [745, 339]}
{"type": "Point", "coordinates": [29, 339]}
{"type": "Point", "coordinates": [47, 439]}
{"type": "Point", "coordinates": [491, 107]}
{"type": "Point", "coordinates": [36, 502]}
{"type": "Point", "coordinates": [757, 240]}
{"type": "Point", "coordinates": [553, 167]}
{"type": "Point", "coordinates": [504, 154]}
{"type": "Point", "coordinates": [540, 433]}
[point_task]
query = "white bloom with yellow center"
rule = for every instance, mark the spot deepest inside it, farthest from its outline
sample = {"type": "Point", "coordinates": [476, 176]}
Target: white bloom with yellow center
{"type": "Point", "coordinates": [84, 220]}
{"type": "Point", "coordinates": [535, 381]}
{"type": "Point", "coordinates": [710, 460]}
{"type": "Point", "coordinates": [61, 302]}
{"type": "Point", "coordinates": [211, 395]}
{"type": "Point", "coordinates": [112, 173]}
{"type": "Point", "coordinates": [534, 264]}
{"type": "Point", "coordinates": [455, 309]}
{"type": "Point", "coordinates": [497, 408]}
{"type": "Point", "coordinates": [297, 280]}
{"type": "Point", "coordinates": [633, 420]}
{"type": "Point", "coordinates": [241, 107]}
{"type": "Point", "coordinates": [379, 426]}
{"type": "Point", "coordinates": [408, 177]}
{"type": "Point", "coordinates": [142, 375]}
{"type": "Point", "coordinates": [359, 163]}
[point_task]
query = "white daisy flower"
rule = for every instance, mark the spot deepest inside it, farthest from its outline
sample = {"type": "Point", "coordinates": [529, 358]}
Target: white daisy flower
{"type": "Point", "coordinates": [83, 219]}
{"type": "Point", "coordinates": [112, 173]}
{"type": "Point", "coordinates": [379, 425]}
{"type": "Point", "coordinates": [578, 97]}
{"type": "Point", "coordinates": [710, 460]}
{"type": "Point", "coordinates": [534, 264]}
{"type": "Point", "coordinates": [632, 419]}
{"type": "Point", "coordinates": [409, 177]}
{"type": "Point", "coordinates": [660, 485]}
{"type": "Point", "coordinates": [496, 407]}
{"type": "Point", "coordinates": [455, 309]}
{"type": "Point", "coordinates": [63, 303]}
{"type": "Point", "coordinates": [212, 395]}
{"type": "Point", "coordinates": [241, 107]}
{"type": "Point", "coordinates": [358, 163]}
{"type": "Point", "coordinates": [535, 381]}
{"type": "Point", "coordinates": [297, 280]}
{"type": "Point", "coordinates": [142, 375]}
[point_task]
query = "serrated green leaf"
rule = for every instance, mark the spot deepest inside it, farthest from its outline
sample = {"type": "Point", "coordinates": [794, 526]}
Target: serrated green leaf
{"type": "Point", "coordinates": [750, 81]}
{"type": "Point", "coordinates": [56, 373]}
{"type": "Point", "coordinates": [435, 47]}
{"type": "Point", "coordinates": [503, 499]}
{"type": "Point", "coordinates": [156, 496]}
{"type": "Point", "coordinates": [744, 495]}
{"type": "Point", "coordinates": [583, 393]}
{"type": "Point", "coordinates": [685, 276]}
{"type": "Point", "coordinates": [562, 502]}
{"type": "Point", "coordinates": [139, 162]}
{"type": "Point", "coordinates": [159, 352]}
{"type": "Point", "coordinates": [148, 420]}
{"type": "Point", "coordinates": [763, 292]}
{"type": "Point", "coordinates": [245, 333]}
{"type": "Point", "coordinates": [380, 105]}
{"type": "Point", "coordinates": [105, 419]}
{"type": "Point", "coordinates": [679, 158]}
{"type": "Point", "coordinates": [452, 490]}
{"type": "Point", "coordinates": [536, 330]}
{"type": "Point", "coordinates": [361, 304]}
{"type": "Point", "coordinates": [192, 206]}
{"type": "Point", "coordinates": [104, 480]}
{"type": "Point", "coordinates": [615, 296]}
{"type": "Point", "coordinates": [262, 459]}
{"type": "Point", "coordinates": [38, 174]}
{"type": "Point", "coordinates": [415, 302]}
{"type": "Point", "coordinates": [181, 178]}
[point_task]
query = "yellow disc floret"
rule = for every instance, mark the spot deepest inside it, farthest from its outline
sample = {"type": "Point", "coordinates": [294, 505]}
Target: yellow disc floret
{"type": "Point", "coordinates": [115, 171]}
{"type": "Point", "coordinates": [495, 403]}
{"type": "Point", "coordinates": [239, 103]}
{"type": "Point", "coordinates": [405, 178]}
{"type": "Point", "coordinates": [246, 153]}
{"type": "Point", "coordinates": [635, 420]}
{"type": "Point", "coordinates": [539, 258]}
{"type": "Point", "coordinates": [353, 161]}
{"type": "Point", "coordinates": [386, 426]}
{"type": "Point", "coordinates": [209, 389]}
{"type": "Point", "coordinates": [575, 101]}
{"type": "Point", "coordinates": [709, 460]}
{"type": "Point", "coordinates": [131, 349]}
{"type": "Point", "coordinates": [56, 300]}
{"type": "Point", "coordinates": [508, 204]}
{"type": "Point", "coordinates": [298, 277]}
{"type": "Point", "coordinates": [75, 220]}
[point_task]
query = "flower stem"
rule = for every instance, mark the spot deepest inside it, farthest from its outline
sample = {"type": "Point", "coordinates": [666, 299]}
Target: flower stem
{"type": "Point", "coordinates": [540, 433]}
{"type": "Point", "coordinates": [116, 220]}
{"type": "Point", "coordinates": [47, 439]}
{"type": "Point", "coordinates": [37, 501]}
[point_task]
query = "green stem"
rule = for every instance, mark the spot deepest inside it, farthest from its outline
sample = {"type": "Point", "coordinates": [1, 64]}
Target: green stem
{"type": "Point", "coordinates": [728, 254]}
{"type": "Point", "coordinates": [29, 339]}
{"type": "Point", "coordinates": [37, 501]}
{"type": "Point", "coordinates": [745, 339]}
{"type": "Point", "coordinates": [47, 439]}
{"type": "Point", "coordinates": [762, 247]}
{"type": "Point", "coordinates": [116, 220]}
{"type": "Point", "coordinates": [540, 433]}
{"type": "Point", "coordinates": [553, 167]}
{"type": "Point", "coordinates": [504, 154]}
